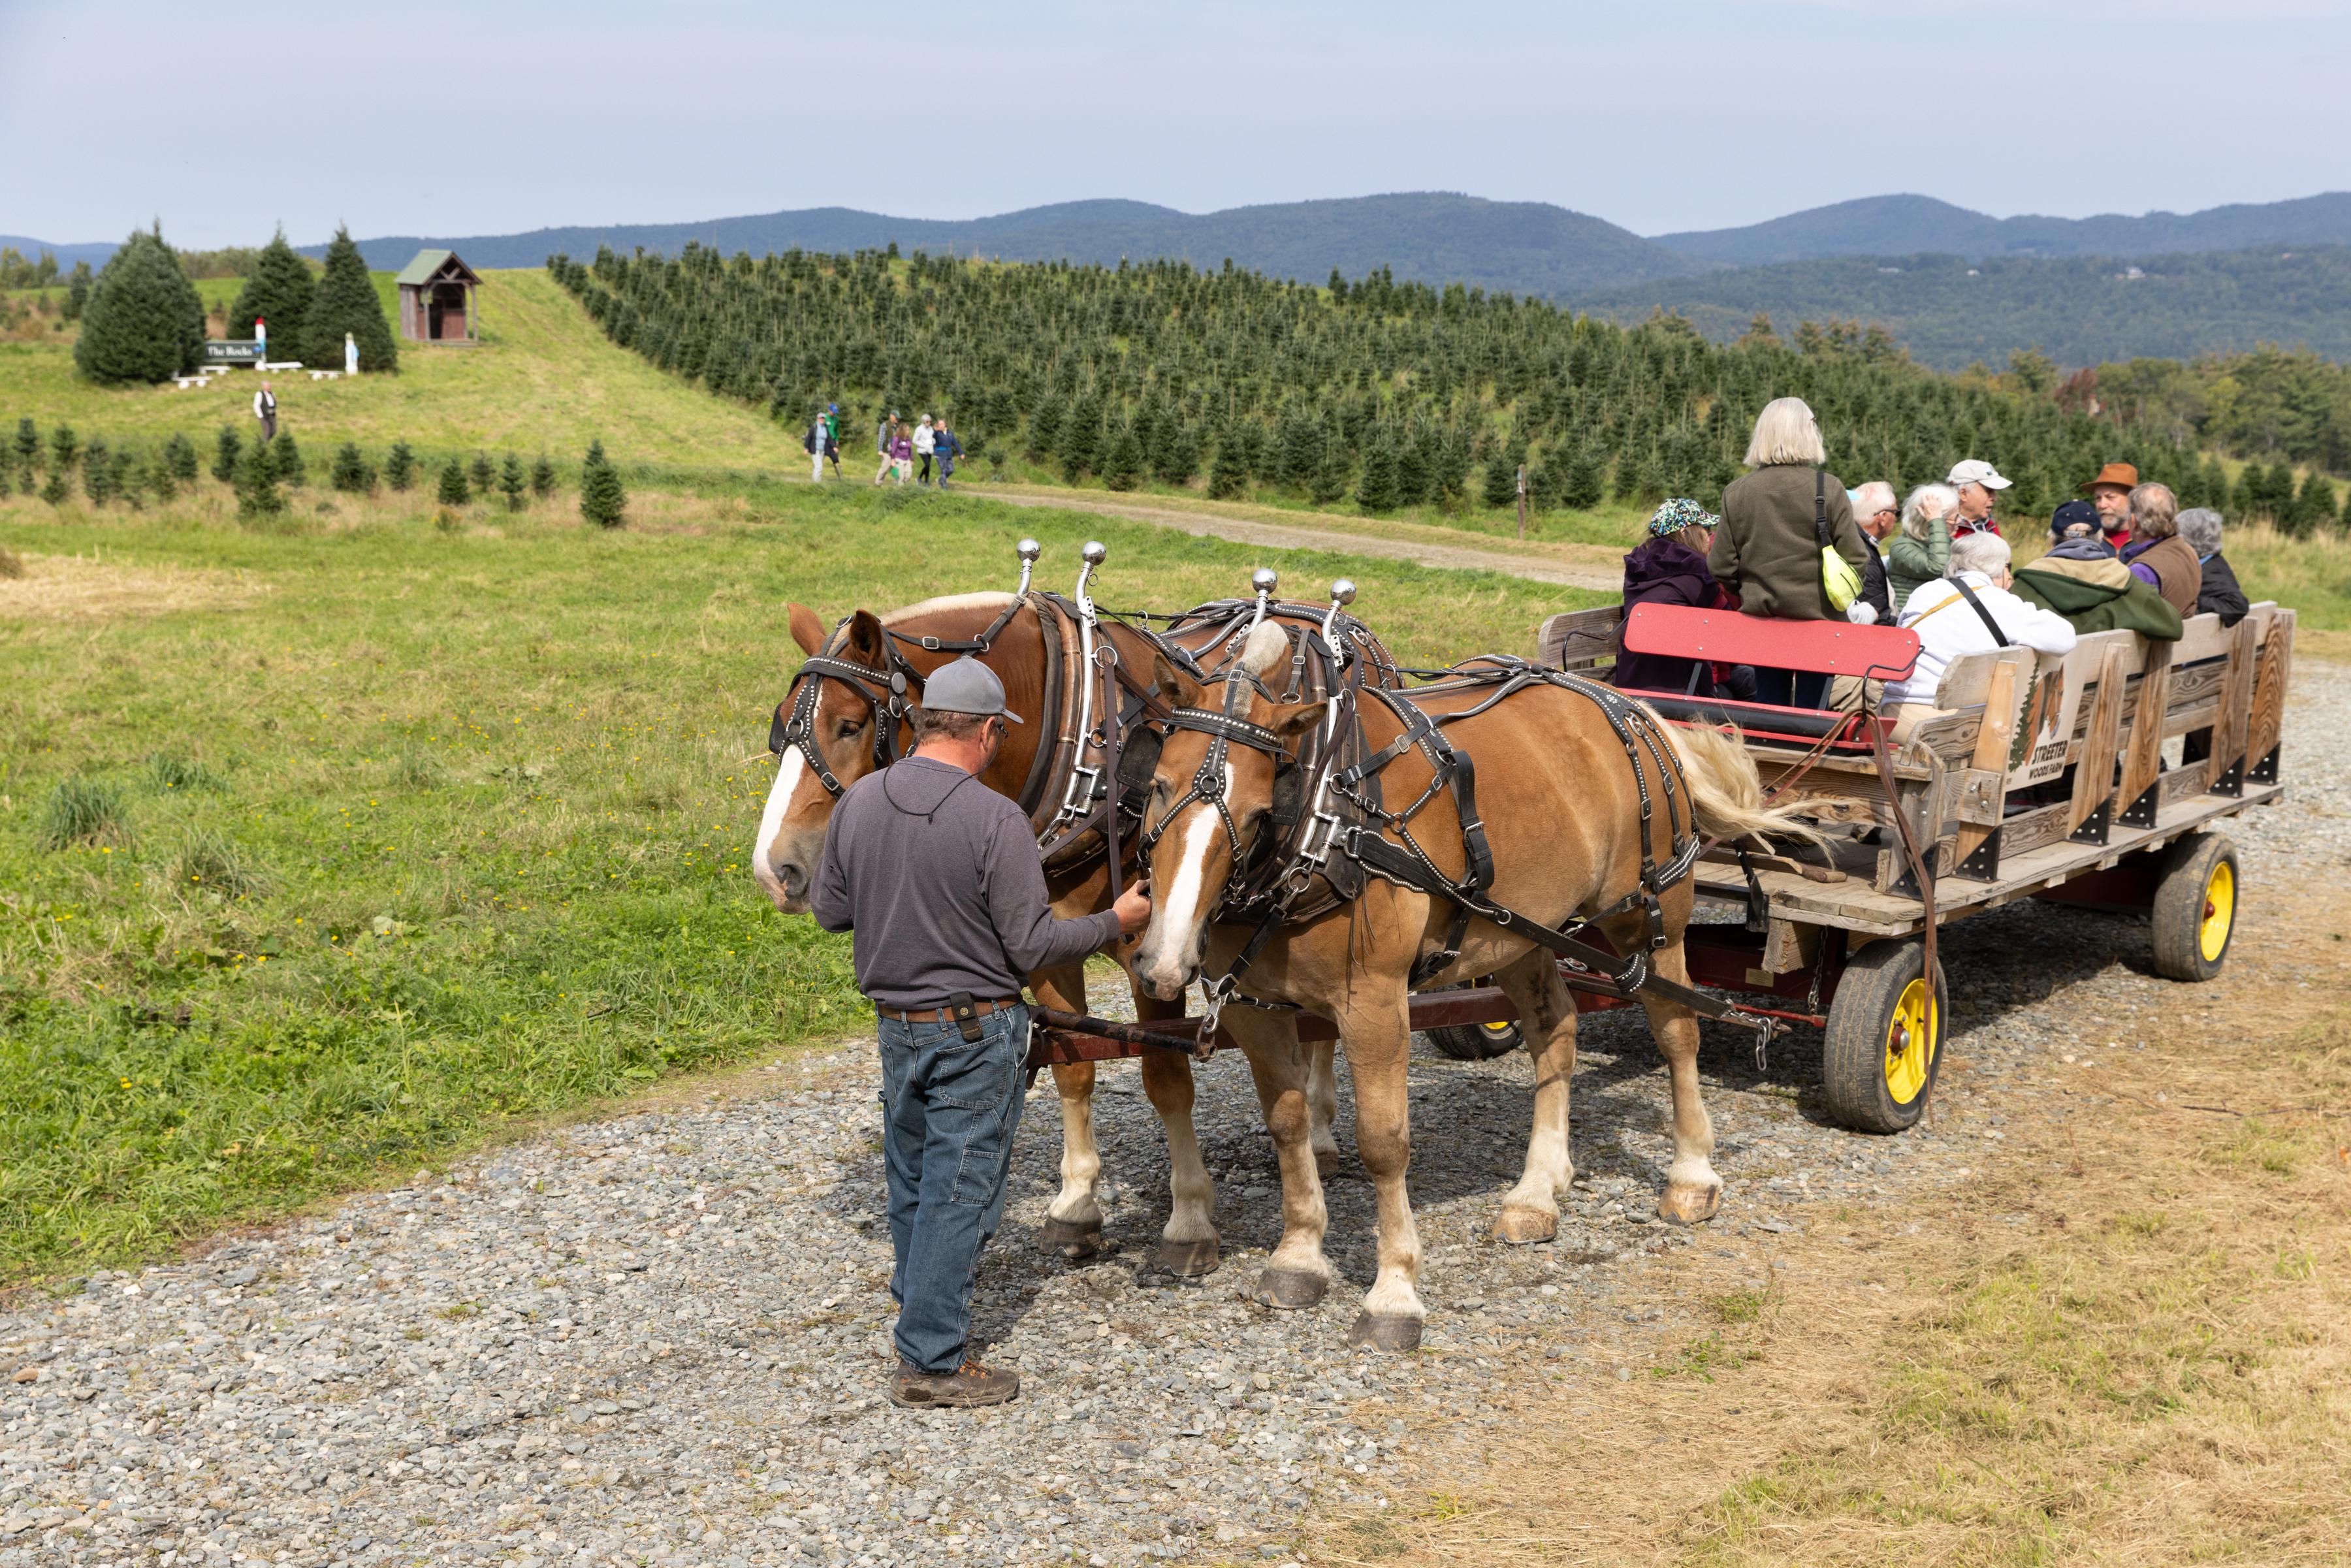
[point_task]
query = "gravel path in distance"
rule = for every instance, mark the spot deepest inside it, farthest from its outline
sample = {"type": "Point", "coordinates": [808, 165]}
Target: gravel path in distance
{"type": "Point", "coordinates": [664, 1339]}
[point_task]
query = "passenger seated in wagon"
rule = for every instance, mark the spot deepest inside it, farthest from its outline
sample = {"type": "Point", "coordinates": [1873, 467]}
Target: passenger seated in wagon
{"type": "Point", "coordinates": [1669, 568]}
{"type": "Point", "coordinates": [2084, 581]}
{"type": "Point", "coordinates": [1970, 610]}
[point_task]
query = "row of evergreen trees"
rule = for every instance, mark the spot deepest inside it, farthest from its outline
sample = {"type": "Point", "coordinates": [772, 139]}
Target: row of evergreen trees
{"type": "Point", "coordinates": [143, 321]}
{"type": "Point", "coordinates": [261, 470]}
{"type": "Point", "coordinates": [1394, 395]}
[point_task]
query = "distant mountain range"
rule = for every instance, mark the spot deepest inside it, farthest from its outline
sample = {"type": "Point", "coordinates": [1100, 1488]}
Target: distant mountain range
{"type": "Point", "coordinates": [1806, 264]}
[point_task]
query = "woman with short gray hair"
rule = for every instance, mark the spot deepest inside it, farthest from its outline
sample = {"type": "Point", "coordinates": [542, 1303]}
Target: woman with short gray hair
{"type": "Point", "coordinates": [2156, 555]}
{"type": "Point", "coordinates": [1767, 554]}
{"type": "Point", "coordinates": [2217, 592]}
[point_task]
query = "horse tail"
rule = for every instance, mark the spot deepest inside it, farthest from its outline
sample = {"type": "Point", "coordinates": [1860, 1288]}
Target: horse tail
{"type": "Point", "coordinates": [1725, 790]}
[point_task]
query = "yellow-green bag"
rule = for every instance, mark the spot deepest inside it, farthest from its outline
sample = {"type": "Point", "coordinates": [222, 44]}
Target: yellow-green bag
{"type": "Point", "coordinates": [1840, 584]}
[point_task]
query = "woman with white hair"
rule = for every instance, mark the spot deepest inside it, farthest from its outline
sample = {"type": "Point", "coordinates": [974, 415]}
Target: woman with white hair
{"type": "Point", "coordinates": [1921, 549]}
{"type": "Point", "coordinates": [1767, 552]}
{"type": "Point", "coordinates": [2217, 591]}
{"type": "Point", "coordinates": [1970, 610]}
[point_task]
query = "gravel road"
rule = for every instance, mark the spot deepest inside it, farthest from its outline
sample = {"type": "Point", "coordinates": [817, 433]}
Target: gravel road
{"type": "Point", "coordinates": [664, 1339]}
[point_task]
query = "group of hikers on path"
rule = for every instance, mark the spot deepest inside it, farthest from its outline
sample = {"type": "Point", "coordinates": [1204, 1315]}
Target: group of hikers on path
{"type": "Point", "coordinates": [901, 448]}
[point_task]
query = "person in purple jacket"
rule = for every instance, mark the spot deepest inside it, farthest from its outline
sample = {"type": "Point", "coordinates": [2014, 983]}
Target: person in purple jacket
{"type": "Point", "coordinates": [1669, 568]}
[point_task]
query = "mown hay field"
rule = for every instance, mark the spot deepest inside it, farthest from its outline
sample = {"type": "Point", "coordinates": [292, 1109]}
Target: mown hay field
{"type": "Point", "coordinates": [328, 847]}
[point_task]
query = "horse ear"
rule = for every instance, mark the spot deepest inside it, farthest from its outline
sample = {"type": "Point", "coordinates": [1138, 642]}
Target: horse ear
{"type": "Point", "coordinates": [1180, 689]}
{"type": "Point", "coordinates": [807, 629]}
{"type": "Point", "coordinates": [865, 638]}
{"type": "Point", "coordinates": [1293, 718]}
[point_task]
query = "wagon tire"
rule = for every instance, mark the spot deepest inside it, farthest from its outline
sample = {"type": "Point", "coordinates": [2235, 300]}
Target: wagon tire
{"type": "Point", "coordinates": [2194, 915]}
{"type": "Point", "coordinates": [1478, 1042]}
{"type": "Point", "coordinates": [1884, 1045]}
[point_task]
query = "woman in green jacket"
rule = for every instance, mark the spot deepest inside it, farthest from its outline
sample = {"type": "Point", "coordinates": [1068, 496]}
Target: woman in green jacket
{"type": "Point", "coordinates": [1921, 551]}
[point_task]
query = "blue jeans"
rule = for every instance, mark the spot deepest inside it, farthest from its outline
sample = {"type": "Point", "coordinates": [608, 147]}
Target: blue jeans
{"type": "Point", "coordinates": [949, 1109]}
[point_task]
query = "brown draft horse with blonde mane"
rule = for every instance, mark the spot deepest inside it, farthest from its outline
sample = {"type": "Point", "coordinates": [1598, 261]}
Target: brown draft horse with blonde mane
{"type": "Point", "coordinates": [791, 838]}
{"type": "Point", "coordinates": [1563, 809]}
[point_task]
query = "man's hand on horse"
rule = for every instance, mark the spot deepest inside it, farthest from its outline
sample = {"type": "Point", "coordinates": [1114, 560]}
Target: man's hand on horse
{"type": "Point", "coordinates": [1133, 908]}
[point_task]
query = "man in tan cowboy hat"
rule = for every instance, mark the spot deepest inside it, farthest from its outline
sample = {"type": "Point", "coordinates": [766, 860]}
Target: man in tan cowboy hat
{"type": "Point", "coordinates": [2110, 492]}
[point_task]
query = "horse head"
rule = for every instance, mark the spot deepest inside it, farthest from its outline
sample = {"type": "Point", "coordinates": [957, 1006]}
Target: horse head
{"type": "Point", "coordinates": [1210, 796]}
{"type": "Point", "coordinates": [825, 738]}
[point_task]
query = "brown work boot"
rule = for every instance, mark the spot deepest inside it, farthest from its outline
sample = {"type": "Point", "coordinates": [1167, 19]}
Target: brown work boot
{"type": "Point", "coordinates": [968, 1385]}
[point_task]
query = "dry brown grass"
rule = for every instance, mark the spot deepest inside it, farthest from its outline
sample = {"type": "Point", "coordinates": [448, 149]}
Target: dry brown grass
{"type": "Point", "coordinates": [92, 588]}
{"type": "Point", "coordinates": [2129, 1342]}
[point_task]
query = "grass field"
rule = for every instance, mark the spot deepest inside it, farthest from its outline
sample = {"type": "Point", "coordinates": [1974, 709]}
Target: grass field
{"type": "Point", "coordinates": [390, 835]}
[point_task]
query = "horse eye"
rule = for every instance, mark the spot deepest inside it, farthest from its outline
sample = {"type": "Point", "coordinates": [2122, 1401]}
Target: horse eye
{"type": "Point", "coordinates": [850, 727]}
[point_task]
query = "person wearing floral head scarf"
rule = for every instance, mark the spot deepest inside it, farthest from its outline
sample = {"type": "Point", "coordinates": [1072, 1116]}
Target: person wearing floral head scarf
{"type": "Point", "coordinates": [1669, 568]}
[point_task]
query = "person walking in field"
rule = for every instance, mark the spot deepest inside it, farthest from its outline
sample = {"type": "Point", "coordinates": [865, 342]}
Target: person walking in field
{"type": "Point", "coordinates": [884, 438]}
{"type": "Point", "coordinates": [813, 441]}
{"type": "Point", "coordinates": [946, 447]}
{"type": "Point", "coordinates": [902, 454]}
{"type": "Point", "coordinates": [926, 440]}
{"type": "Point", "coordinates": [265, 409]}
{"type": "Point", "coordinates": [939, 879]}
{"type": "Point", "coordinates": [832, 437]}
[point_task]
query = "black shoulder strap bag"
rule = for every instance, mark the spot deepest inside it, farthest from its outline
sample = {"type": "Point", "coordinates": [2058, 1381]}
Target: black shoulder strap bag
{"type": "Point", "coordinates": [1983, 614]}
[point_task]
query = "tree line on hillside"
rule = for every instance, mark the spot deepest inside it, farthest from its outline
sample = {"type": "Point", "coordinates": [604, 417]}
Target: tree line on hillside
{"type": "Point", "coordinates": [2269, 404]}
{"type": "Point", "coordinates": [143, 321]}
{"type": "Point", "coordinates": [1392, 394]}
{"type": "Point", "coordinates": [260, 472]}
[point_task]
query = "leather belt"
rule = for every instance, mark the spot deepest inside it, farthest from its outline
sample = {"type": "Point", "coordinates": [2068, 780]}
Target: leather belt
{"type": "Point", "coordinates": [944, 1014]}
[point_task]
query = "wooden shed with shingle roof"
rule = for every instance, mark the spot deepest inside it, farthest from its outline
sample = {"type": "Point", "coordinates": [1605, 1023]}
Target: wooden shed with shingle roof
{"type": "Point", "coordinates": [436, 300]}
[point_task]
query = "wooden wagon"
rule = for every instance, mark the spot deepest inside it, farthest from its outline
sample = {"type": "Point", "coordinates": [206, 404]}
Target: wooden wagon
{"type": "Point", "coordinates": [2039, 775]}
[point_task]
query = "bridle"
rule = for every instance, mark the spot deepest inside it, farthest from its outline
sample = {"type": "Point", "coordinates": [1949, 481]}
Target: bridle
{"type": "Point", "coordinates": [883, 691]}
{"type": "Point", "coordinates": [1211, 781]}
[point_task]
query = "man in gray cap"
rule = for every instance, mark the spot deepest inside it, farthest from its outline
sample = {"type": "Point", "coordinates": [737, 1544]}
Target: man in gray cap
{"type": "Point", "coordinates": [938, 876]}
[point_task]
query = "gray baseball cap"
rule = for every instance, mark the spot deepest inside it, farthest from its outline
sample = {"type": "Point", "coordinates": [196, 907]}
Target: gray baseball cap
{"type": "Point", "coordinates": [966, 685]}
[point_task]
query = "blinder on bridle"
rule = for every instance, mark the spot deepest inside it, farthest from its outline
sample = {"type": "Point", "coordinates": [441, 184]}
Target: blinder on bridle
{"type": "Point", "coordinates": [884, 691]}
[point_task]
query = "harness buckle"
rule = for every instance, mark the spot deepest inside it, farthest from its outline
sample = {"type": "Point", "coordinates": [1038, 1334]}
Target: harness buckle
{"type": "Point", "coordinates": [930, 644]}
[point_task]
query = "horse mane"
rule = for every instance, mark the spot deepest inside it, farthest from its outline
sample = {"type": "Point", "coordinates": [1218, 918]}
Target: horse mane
{"type": "Point", "coordinates": [947, 602]}
{"type": "Point", "coordinates": [1265, 648]}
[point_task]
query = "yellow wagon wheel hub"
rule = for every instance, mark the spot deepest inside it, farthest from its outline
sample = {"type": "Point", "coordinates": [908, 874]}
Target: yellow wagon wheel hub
{"type": "Point", "coordinates": [1910, 1041]}
{"type": "Point", "coordinates": [1497, 1030]}
{"type": "Point", "coordinates": [2220, 912]}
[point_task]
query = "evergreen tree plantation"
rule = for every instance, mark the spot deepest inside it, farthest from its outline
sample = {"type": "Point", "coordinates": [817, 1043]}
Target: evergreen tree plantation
{"type": "Point", "coordinates": [1389, 394]}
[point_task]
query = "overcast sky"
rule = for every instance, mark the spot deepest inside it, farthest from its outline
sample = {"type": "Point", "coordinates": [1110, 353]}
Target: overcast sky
{"type": "Point", "coordinates": [1659, 114]}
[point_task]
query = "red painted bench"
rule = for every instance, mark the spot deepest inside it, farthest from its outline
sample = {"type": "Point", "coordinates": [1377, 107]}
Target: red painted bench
{"type": "Point", "coordinates": [1727, 637]}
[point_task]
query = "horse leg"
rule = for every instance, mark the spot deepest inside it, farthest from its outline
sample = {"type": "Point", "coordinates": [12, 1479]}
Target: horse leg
{"type": "Point", "coordinates": [1693, 1192]}
{"type": "Point", "coordinates": [1188, 1246]}
{"type": "Point", "coordinates": [1378, 1032]}
{"type": "Point", "coordinates": [1073, 1221]}
{"type": "Point", "coordinates": [1323, 1105]}
{"type": "Point", "coordinates": [1547, 1020]}
{"type": "Point", "coordinates": [1297, 1274]}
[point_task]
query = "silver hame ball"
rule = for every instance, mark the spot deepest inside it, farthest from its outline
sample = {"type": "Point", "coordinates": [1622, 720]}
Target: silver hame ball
{"type": "Point", "coordinates": [1095, 552]}
{"type": "Point", "coordinates": [1344, 590]}
{"type": "Point", "coordinates": [1029, 550]}
{"type": "Point", "coordinates": [1263, 578]}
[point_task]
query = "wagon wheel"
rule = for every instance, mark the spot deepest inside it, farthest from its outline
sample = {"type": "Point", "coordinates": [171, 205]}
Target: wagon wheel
{"type": "Point", "coordinates": [1884, 1038]}
{"type": "Point", "coordinates": [1478, 1042]}
{"type": "Point", "coordinates": [2195, 909]}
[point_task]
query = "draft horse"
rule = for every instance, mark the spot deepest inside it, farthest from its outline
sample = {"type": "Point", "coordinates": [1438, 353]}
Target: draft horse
{"type": "Point", "coordinates": [1579, 809]}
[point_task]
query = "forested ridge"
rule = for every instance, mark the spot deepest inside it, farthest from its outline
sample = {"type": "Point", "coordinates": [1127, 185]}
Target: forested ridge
{"type": "Point", "coordinates": [1385, 395]}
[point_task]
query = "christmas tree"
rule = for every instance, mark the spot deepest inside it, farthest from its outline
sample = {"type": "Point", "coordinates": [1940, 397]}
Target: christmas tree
{"type": "Point", "coordinates": [27, 447]}
{"type": "Point", "coordinates": [65, 448]}
{"type": "Point", "coordinates": [144, 322]}
{"type": "Point", "coordinates": [1179, 453]}
{"type": "Point", "coordinates": [287, 457]}
{"type": "Point", "coordinates": [453, 485]}
{"type": "Point", "coordinates": [602, 501]}
{"type": "Point", "coordinates": [542, 477]}
{"type": "Point", "coordinates": [400, 466]}
{"type": "Point", "coordinates": [179, 459]}
{"type": "Point", "coordinates": [1376, 490]}
{"type": "Point", "coordinates": [279, 291]}
{"type": "Point", "coordinates": [483, 475]}
{"type": "Point", "coordinates": [1500, 485]}
{"type": "Point", "coordinates": [56, 488]}
{"type": "Point", "coordinates": [1122, 459]}
{"type": "Point", "coordinates": [224, 451]}
{"type": "Point", "coordinates": [256, 485]}
{"type": "Point", "coordinates": [1228, 474]}
{"type": "Point", "coordinates": [159, 477]}
{"type": "Point", "coordinates": [511, 483]}
{"type": "Point", "coordinates": [77, 291]}
{"type": "Point", "coordinates": [96, 473]}
{"type": "Point", "coordinates": [1584, 483]}
{"type": "Point", "coordinates": [350, 472]}
{"type": "Point", "coordinates": [346, 301]}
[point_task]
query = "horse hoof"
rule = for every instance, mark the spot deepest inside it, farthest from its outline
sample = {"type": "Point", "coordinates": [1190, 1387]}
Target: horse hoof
{"type": "Point", "coordinates": [1386, 1334]}
{"type": "Point", "coordinates": [1328, 1164]}
{"type": "Point", "coordinates": [1524, 1226]}
{"type": "Point", "coordinates": [1071, 1239]}
{"type": "Point", "coordinates": [1188, 1259]}
{"type": "Point", "coordinates": [1690, 1205]}
{"type": "Point", "coordinates": [1289, 1288]}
